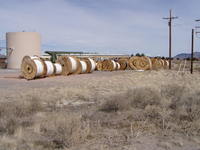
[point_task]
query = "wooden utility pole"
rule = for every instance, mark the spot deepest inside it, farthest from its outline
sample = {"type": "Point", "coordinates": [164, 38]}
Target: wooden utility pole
{"type": "Point", "coordinates": [192, 51]}
{"type": "Point", "coordinates": [170, 18]}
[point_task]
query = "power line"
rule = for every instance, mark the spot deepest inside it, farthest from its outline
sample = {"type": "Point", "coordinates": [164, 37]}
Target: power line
{"type": "Point", "coordinates": [170, 18]}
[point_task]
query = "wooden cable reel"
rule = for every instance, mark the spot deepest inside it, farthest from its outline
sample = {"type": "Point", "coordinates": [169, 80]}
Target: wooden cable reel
{"type": "Point", "coordinates": [57, 69]}
{"type": "Point", "coordinates": [96, 66]}
{"type": "Point", "coordinates": [70, 65]}
{"type": "Point", "coordinates": [32, 67]}
{"type": "Point", "coordinates": [157, 63]}
{"type": "Point", "coordinates": [36, 67]}
{"type": "Point", "coordinates": [99, 66]}
{"type": "Point", "coordinates": [114, 65]}
{"type": "Point", "coordinates": [140, 63]}
{"type": "Point", "coordinates": [118, 66]}
{"type": "Point", "coordinates": [50, 68]}
{"type": "Point", "coordinates": [166, 63]}
{"type": "Point", "coordinates": [163, 63]}
{"type": "Point", "coordinates": [74, 65]}
{"type": "Point", "coordinates": [83, 67]}
{"type": "Point", "coordinates": [107, 65]}
{"type": "Point", "coordinates": [63, 61]}
{"type": "Point", "coordinates": [91, 65]}
{"type": "Point", "coordinates": [123, 63]}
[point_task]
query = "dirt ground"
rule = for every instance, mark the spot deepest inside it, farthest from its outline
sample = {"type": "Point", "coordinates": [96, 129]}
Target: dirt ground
{"type": "Point", "coordinates": [121, 110]}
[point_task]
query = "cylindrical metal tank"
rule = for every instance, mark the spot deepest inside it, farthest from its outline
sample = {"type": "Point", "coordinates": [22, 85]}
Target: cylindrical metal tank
{"type": "Point", "coordinates": [22, 43]}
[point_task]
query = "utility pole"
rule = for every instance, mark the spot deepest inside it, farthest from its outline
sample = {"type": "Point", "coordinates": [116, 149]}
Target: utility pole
{"type": "Point", "coordinates": [170, 18]}
{"type": "Point", "coordinates": [192, 51]}
{"type": "Point", "coordinates": [192, 46]}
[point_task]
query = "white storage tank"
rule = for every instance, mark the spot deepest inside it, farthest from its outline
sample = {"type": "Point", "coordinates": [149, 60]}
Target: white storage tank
{"type": "Point", "coordinates": [22, 43]}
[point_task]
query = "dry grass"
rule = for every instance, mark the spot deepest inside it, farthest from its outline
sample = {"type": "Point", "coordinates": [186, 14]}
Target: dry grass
{"type": "Point", "coordinates": [172, 107]}
{"type": "Point", "coordinates": [179, 64]}
{"type": "Point", "coordinates": [111, 113]}
{"type": "Point", "coordinates": [29, 124]}
{"type": "Point", "coordinates": [15, 114]}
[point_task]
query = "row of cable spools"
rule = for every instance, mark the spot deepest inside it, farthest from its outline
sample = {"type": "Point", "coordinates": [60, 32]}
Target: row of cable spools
{"type": "Point", "coordinates": [74, 65]}
{"type": "Point", "coordinates": [134, 63]}
{"type": "Point", "coordinates": [35, 67]}
{"type": "Point", "coordinates": [147, 63]}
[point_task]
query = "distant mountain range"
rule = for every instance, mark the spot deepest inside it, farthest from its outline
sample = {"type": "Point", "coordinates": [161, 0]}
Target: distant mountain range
{"type": "Point", "coordinates": [187, 55]}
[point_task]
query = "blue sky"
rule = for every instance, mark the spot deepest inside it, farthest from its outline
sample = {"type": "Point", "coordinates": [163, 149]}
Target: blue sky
{"type": "Point", "coordinates": [103, 26]}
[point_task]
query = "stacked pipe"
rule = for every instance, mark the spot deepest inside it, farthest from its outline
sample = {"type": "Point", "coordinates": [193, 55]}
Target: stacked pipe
{"type": "Point", "coordinates": [36, 67]}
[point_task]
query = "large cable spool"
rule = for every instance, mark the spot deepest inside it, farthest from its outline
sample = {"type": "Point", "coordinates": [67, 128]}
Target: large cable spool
{"type": "Point", "coordinates": [140, 63]}
{"type": "Point", "coordinates": [118, 66]}
{"type": "Point", "coordinates": [74, 65]}
{"type": "Point", "coordinates": [157, 63]}
{"type": "Point", "coordinates": [163, 63]}
{"type": "Point", "coordinates": [123, 64]}
{"type": "Point", "coordinates": [33, 67]}
{"type": "Point", "coordinates": [99, 66]}
{"type": "Point", "coordinates": [83, 66]}
{"type": "Point", "coordinates": [96, 66]}
{"type": "Point", "coordinates": [114, 65]}
{"type": "Point", "coordinates": [107, 65]}
{"type": "Point", "coordinates": [50, 68]}
{"type": "Point", "coordinates": [91, 64]}
{"type": "Point", "coordinates": [166, 64]}
{"type": "Point", "coordinates": [64, 63]}
{"type": "Point", "coordinates": [58, 69]}
{"type": "Point", "coordinates": [70, 65]}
